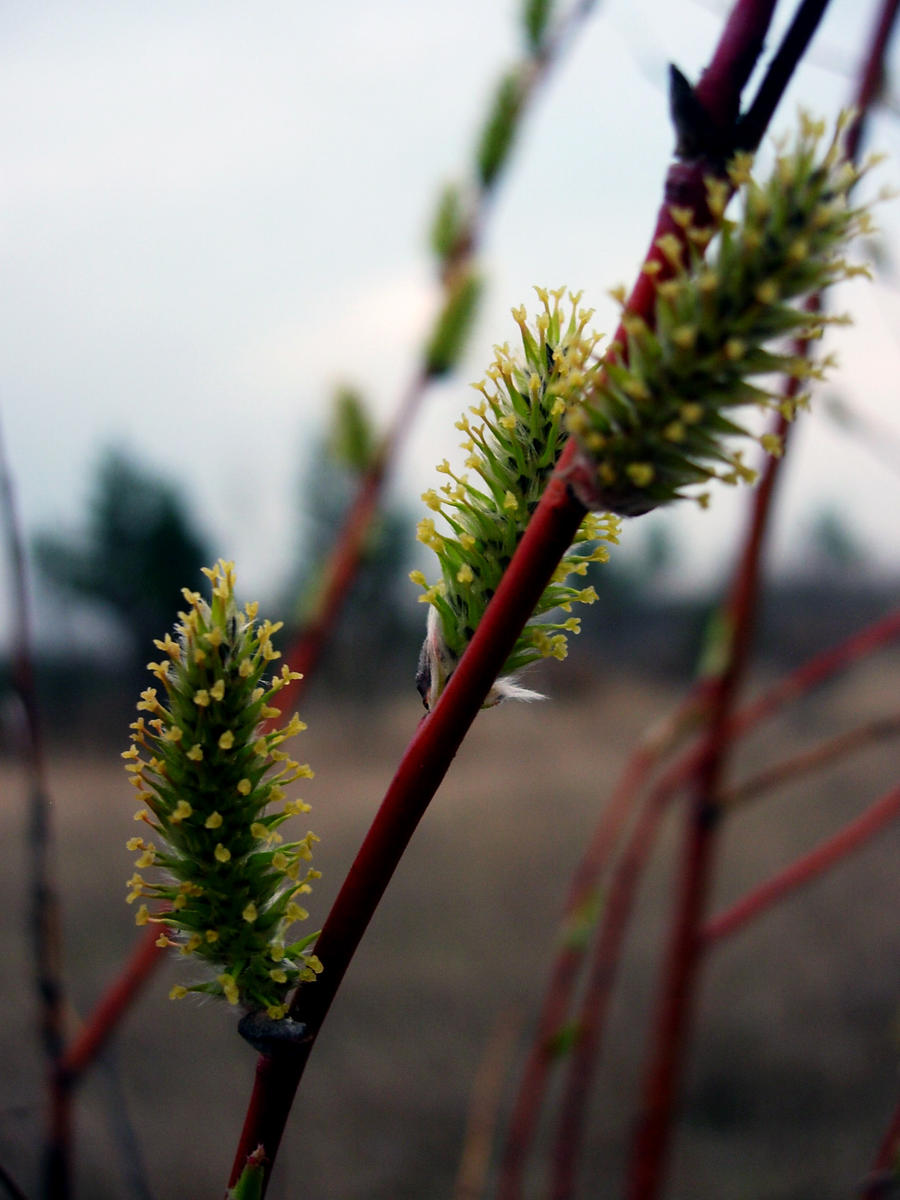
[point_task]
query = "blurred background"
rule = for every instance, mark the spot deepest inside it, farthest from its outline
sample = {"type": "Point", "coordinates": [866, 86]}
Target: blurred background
{"type": "Point", "coordinates": [217, 282]}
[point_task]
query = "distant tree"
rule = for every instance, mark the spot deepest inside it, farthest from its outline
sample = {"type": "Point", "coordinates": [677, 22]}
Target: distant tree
{"type": "Point", "coordinates": [137, 550]}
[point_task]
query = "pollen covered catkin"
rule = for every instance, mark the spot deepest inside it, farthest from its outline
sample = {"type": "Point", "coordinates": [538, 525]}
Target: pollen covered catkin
{"type": "Point", "coordinates": [663, 416]}
{"type": "Point", "coordinates": [656, 418]}
{"type": "Point", "coordinates": [513, 438]}
{"type": "Point", "coordinates": [226, 886]}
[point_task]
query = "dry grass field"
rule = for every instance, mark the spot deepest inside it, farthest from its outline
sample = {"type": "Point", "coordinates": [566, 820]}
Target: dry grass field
{"type": "Point", "coordinates": [795, 1058]}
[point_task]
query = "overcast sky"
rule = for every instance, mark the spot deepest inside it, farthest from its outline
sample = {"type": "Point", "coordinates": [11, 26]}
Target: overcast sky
{"type": "Point", "coordinates": [211, 212]}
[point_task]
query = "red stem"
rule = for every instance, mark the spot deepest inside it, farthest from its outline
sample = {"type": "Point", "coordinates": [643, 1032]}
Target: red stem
{"type": "Point", "coordinates": [816, 671]}
{"type": "Point", "coordinates": [646, 1172]}
{"type": "Point", "coordinates": [833, 850]}
{"type": "Point", "coordinates": [45, 920]}
{"type": "Point", "coordinates": [677, 998]}
{"type": "Point", "coordinates": [601, 977]}
{"type": "Point", "coordinates": [343, 564]}
{"type": "Point", "coordinates": [819, 756]}
{"type": "Point", "coordinates": [553, 1018]}
{"type": "Point", "coordinates": [545, 541]}
{"type": "Point", "coordinates": [418, 776]}
{"type": "Point", "coordinates": [577, 911]}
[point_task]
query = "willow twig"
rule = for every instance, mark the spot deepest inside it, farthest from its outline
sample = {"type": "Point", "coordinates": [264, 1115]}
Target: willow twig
{"type": "Point", "coordinates": [545, 541]}
{"type": "Point", "coordinates": [46, 937]}
{"type": "Point", "coordinates": [654, 1130]}
{"type": "Point", "coordinates": [823, 755]}
{"type": "Point", "coordinates": [816, 862]}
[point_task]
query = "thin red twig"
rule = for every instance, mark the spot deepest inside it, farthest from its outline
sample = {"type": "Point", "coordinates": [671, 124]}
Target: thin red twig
{"type": "Point", "coordinates": [46, 934]}
{"type": "Point", "coordinates": [681, 970]}
{"type": "Point", "coordinates": [577, 919]}
{"type": "Point", "coordinates": [564, 973]}
{"type": "Point", "coordinates": [833, 850]}
{"type": "Point", "coordinates": [601, 976]}
{"type": "Point", "coordinates": [818, 670]}
{"type": "Point", "coordinates": [484, 1109]}
{"type": "Point", "coordinates": [339, 573]}
{"type": "Point", "coordinates": [343, 563]}
{"type": "Point", "coordinates": [418, 776]}
{"type": "Point", "coordinates": [825, 754]}
{"type": "Point", "coordinates": [654, 1131]}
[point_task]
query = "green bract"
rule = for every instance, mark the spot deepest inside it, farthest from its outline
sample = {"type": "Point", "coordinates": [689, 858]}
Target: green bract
{"type": "Point", "coordinates": [211, 784]}
{"type": "Point", "coordinates": [513, 444]}
{"type": "Point", "coordinates": [662, 419]}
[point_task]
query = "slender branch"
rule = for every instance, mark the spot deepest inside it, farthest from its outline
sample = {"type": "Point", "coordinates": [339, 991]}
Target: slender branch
{"type": "Point", "coordinates": [818, 670]}
{"type": "Point", "coordinates": [794, 44]}
{"type": "Point", "coordinates": [651, 1144]}
{"type": "Point", "coordinates": [418, 776]}
{"type": "Point", "coordinates": [484, 1108]}
{"type": "Point", "coordinates": [680, 974]}
{"type": "Point", "coordinates": [343, 563]}
{"type": "Point", "coordinates": [46, 936]}
{"type": "Point", "coordinates": [124, 1132]}
{"type": "Point", "coordinates": [577, 919]}
{"type": "Point", "coordinates": [548, 536]}
{"type": "Point", "coordinates": [564, 973]}
{"type": "Point", "coordinates": [734, 59]}
{"type": "Point", "coordinates": [872, 77]}
{"type": "Point", "coordinates": [339, 573]}
{"type": "Point", "coordinates": [833, 850]}
{"type": "Point", "coordinates": [820, 756]}
{"type": "Point", "coordinates": [590, 1022]}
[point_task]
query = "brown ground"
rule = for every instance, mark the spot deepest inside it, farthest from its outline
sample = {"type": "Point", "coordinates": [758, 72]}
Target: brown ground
{"type": "Point", "coordinates": [795, 1063]}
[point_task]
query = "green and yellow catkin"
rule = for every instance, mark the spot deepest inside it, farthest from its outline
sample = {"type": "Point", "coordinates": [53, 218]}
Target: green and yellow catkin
{"type": "Point", "coordinates": [514, 437]}
{"type": "Point", "coordinates": [211, 785]}
{"type": "Point", "coordinates": [653, 421]}
{"type": "Point", "coordinates": [664, 419]}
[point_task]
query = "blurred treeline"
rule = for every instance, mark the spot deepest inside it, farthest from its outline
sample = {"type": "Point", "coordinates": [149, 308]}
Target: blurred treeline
{"type": "Point", "coordinates": [121, 568]}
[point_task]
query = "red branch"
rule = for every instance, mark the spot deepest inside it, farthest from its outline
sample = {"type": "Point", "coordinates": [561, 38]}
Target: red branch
{"type": "Point", "coordinates": [678, 998]}
{"type": "Point", "coordinates": [340, 570]}
{"type": "Point", "coordinates": [428, 757]}
{"type": "Point", "coordinates": [833, 850]}
{"type": "Point", "coordinates": [45, 919]}
{"type": "Point", "coordinates": [818, 670]}
{"type": "Point", "coordinates": [824, 754]}
{"type": "Point", "coordinates": [418, 776]}
{"type": "Point", "coordinates": [581, 900]}
{"type": "Point", "coordinates": [601, 977]}
{"type": "Point", "coordinates": [682, 962]}
{"type": "Point", "coordinates": [564, 974]}
{"type": "Point", "coordinates": [343, 564]}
